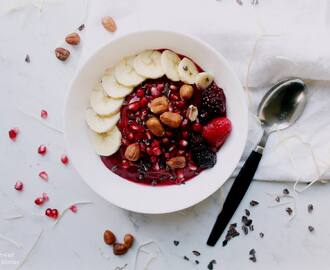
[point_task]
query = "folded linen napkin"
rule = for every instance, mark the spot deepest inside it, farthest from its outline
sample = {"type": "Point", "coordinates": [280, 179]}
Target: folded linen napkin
{"type": "Point", "coordinates": [264, 42]}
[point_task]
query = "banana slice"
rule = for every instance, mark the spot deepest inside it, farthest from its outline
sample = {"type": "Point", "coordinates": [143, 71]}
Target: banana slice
{"type": "Point", "coordinates": [187, 71]}
{"type": "Point", "coordinates": [126, 74]}
{"type": "Point", "coordinates": [113, 88]}
{"type": "Point", "coordinates": [148, 64]}
{"type": "Point", "coordinates": [102, 104]}
{"type": "Point", "coordinates": [101, 124]}
{"type": "Point", "coordinates": [203, 80]}
{"type": "Point", "coordinates": [170, 62]}
{"type": "Point", "coordinates": [106, 144]}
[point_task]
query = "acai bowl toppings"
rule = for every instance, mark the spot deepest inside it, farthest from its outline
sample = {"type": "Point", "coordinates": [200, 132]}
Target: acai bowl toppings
{"type": "Point", "coordinates": [157, 118]}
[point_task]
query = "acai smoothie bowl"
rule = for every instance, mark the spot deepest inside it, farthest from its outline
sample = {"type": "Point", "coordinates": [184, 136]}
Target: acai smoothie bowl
{"type": "Point", "coordinates": [155, 121]}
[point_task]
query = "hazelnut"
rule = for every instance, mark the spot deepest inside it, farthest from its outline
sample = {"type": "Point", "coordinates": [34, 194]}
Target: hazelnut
{"type": "Point", "coordinates": [128, 240]}
{"type": "Point", "coordinates": [155, 126]}
{"type": "Point", "coordinates": [132, 152]}
{"type": "Point", "coordinates": [171, 119]}
{"type": "Point", "coordinates": [109, 24]}
{"type": "Point", "coordinates": [72, 39]}
{"type": "Point", "coordinates": [109, 237]}
{"type": "Point", "coordinates": [177, 162]}
{"type": "Point", "coordinates": [186, 91]}
{"type": "Point", "coordinates": [159, 105]}
{"type": "Point", "coordinates": [62, 54]}
{"type": "Point", "coordinates": [192, 113]}
{"type": "Point", "coordinates": [119, 249]}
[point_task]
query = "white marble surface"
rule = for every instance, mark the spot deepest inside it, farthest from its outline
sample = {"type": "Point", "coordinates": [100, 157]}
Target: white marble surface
{"type": "Point", "coordinates": [76, 241]}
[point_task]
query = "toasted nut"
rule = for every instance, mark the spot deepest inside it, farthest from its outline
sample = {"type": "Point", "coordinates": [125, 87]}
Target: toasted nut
{"type": "Point", "coordinates": [109, 237]}
{"type": "Point", "coordinates": [177, 162]}
{"type": "Point", "coordinates": [128, 240]}
{"type": "Point", "coordinates": [192, 113]}
{"type": "Point", "coordinates": [132, 152]}
{"type": "Point", "coordinates": [119, 249]}
{"type": "Point", "coordinates": [155, 126]}
{"type": "Point", "coordinates": [171, 119]}
{"type": "Point", "coordinates": [109, 24]}
{"type": "Point", "coordinates": [186, 91]}
{"type": "Point", "coordinates": [159, 105]}
{"type": "Point", "coordinates": [73, 39]}
{"type": "Point", "coordinates": [62, 54]}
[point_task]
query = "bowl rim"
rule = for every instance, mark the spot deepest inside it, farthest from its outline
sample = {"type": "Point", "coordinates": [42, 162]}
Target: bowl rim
{"type": "Point", "coordinates": [87, 61]}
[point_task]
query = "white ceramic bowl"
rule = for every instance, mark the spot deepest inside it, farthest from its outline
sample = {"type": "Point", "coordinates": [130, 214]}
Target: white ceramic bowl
{"type": "Point", "coordinates": [142, 198]}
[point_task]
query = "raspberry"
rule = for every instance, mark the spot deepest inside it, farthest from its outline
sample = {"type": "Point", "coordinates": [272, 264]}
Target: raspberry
{"type": "Point", "coordinates": [203, 156]}
{"type": "Point", "coordinates": [216, 131]}
{"type": "Point", "coordinates": [213, 103]}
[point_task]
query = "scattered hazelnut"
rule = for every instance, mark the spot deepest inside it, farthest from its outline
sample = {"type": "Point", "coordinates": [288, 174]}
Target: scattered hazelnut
{"type": "Point", "coordinates": [62, 54]}
{"type": "Point", "coordinates": [109, 24]}
{"type": "Point", "coordinates": [155, 126]}
{"type": "Point", "coordinates": [128, 240]}
{"type": "Point", "coordinates": [159, 105]}
{"type": "Point", "coordinates": [72, 39]}
{"type": "Point", "coordinates": [177, 162]}
{"type": "Point", "coordinates": [109, 237]}
{"type": "Point", "coordinates": [186, 91]}
{"type": "Point", "coordinates": [171, 119]}
{"type": "Point", "coordinates": [192, 113]}
{"type": "Point", "coordinates": [132, 152]}
{"type": "Point", "coordinates": [119, 249]}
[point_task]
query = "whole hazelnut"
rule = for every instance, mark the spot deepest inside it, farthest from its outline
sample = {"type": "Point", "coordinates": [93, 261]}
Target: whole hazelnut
{"type": "Point", "coordinates": [109, 237]}
{"type": "Point", "coordinates": [155, 126]}
{"type": "Point", "coordinates": [73, 39]}
{"type": "Point", "coordinates": [177, 162]}
{"type": "Point", "coordinates": [109, 24]}
{"type": "Point", "coordinates": [132, 152]}
{"type": "Point", "coordinates": [171, 119]}
{"type": "Point", "coordinates": [62, 54]}
{"type": "Point", "coordinates": [186, 91]}
{"type": "Point", "coordinates": [119, 249]}
{"type": "Point", "coordinates": [159, 105]}
{"type": "Point", "coordinates": [128, 240]}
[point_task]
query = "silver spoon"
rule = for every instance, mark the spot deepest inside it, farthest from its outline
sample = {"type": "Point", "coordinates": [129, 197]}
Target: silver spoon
{"type": "Point", "coordinates": [279, 109]}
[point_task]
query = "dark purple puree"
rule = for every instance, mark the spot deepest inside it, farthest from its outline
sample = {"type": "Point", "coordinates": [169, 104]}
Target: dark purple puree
{"type": "Point", "coordinates": [151, 168]}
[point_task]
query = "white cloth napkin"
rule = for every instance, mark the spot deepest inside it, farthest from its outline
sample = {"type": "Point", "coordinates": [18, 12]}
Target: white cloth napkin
{"type": "Point", "coordinates": [264, 43]}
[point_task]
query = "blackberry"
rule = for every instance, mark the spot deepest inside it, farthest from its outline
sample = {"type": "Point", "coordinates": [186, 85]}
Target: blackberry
{"type": "Point", "coordinates": [213, 103]}
{"type": "Point", "coordinates": [195, 140]}
{"type": "Point", "coordinates": [203, 156]}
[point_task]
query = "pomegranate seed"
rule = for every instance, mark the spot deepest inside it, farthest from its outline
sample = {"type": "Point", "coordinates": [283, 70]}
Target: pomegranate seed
{"type": "Point", "coordinates": [130, 136]}
{"type": "Point", "coordinates": [185, 134]}
{"type": "Point", "coordinates": [160, 87]}
{"type": "Point", "coordinates": [180, 104]}
{"type": "Point", "coordinates": [170, 108]}
{"type": "Point", "coordinates": [140, 92]}
{"type": "Point", "coordinates": [74, 208]}
{"type": "Point", "coordinates": [13, 133]}
{"type": "Point", "coordinates": [156, 167]}
{"type": "Point", "coordinates": [155, 143]}
{"type": "Point", "coordinates": [125, 164]}
{"type": "Point", "coordinates": [183, 143]}
{"type": "Point", "coordinates": [167, 155]}
{"type": "Point", "coordinates": [42, 149]}
{"type": "Point", "coordinates": [142, 147]}
{"type": "Point", "coordinates": [156, 151]}
{"type": "Point", "coordinates": [44, 114]}
{"type": "Point", "coordinates": [144, 102]}
{"type": "Point", "coordinates": [192, 167]}
{"type": "Point", "coordinates": [172, 148]}
{"type": "Point", "coordinates": [45, 196]}
{"type": "Point", "coordinates": [134, 106]}
{"type": "Point", "coordinates": [197, 127]}
{"type": "Point", "coordinates": [124, 141]}
{"type": "Point", "coordinates": [173, 87]}
{"type": "Point", "coordinates": [65, 159]}
{"type": "Point", "coordinates": [165, 140]}
{"type": "Point", "coordinates": [137, 128]}
{"type": "Point", "coordinates": [181, 153]}
{"type": "Point", "coordinates": [149, 135]}
{"type": "Point", "coordinates": [169, 134]}
{"type": "Point", "coordinates": [184, 123]}
{"type": "Point", "coordinates": [179, 173]}
{"type": "Point", "coordinates": [153, 159]}
{"type": "Point", "coordinates": [39, 201]}
{"type": "Point", "coordinates": [19, 186]}
{"type": "Point", "coordinates": [149, 151]}
{"type": "Point", "coordinates": [43, 175]}
{"type": "Point", "coordinates": [54, 213]}
{"type": "Point", "coordinates": [48, 212]}
{"type": "Point", "coordinates": [134, 100]}
{"type": "Point", "coordinates": [155, 92]}
{"type": "Point", "coordinates": [174, 97]}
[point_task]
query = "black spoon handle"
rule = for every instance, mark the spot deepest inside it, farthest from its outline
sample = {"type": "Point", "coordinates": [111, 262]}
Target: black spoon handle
{"type": "Point", "coordinates": [235, 195]}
